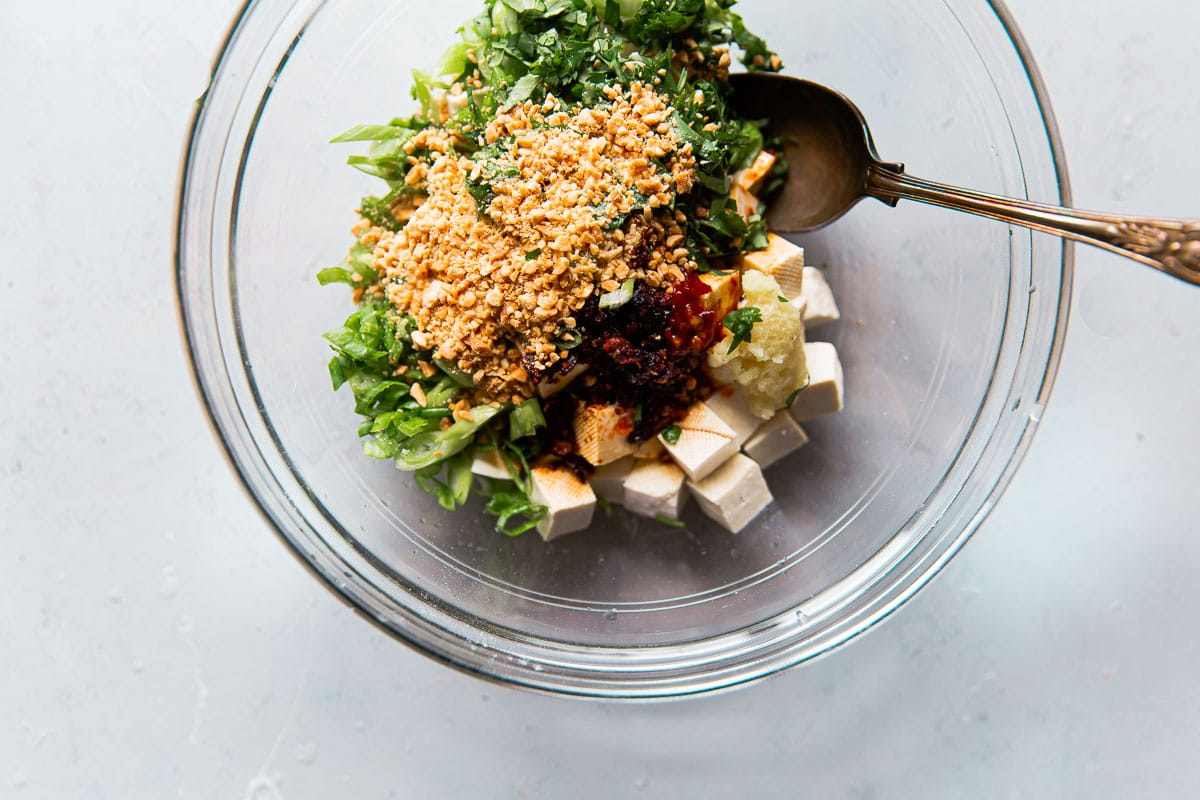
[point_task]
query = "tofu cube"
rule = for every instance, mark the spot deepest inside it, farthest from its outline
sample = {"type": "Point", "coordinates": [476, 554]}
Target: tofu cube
{"type": "Point", "coordinates": [608, 481]}
{"type": "Point", "coordinates": [655, 488]}
{"type": "Point", "coordinates": [552, 387]}
{"type": "Point", "coordinates": [747, 203]}
{"type": "Point", "coordinates": [724, 291]}
{"type": "Point", "coordinates": [569, 501]}
{"type": "Point", "coordinates": [825, 383]}
{"type": "Point", "coordinates": [783, 261]}
{"type": "Point", "coordinates": [602, 432]}
{"type": "Point", "coordinates": [751, 178]}
{"type": "Point", "coordinates": [775, 439]}
{"type": "Point", "coordinates": [488, 464]}
{"type": "Point", "coordinates": [649, 450]}
{"type": "Point", "coordinates": [730, 404]}
{"type": "Point", "coordinates": [734, 494]}
{"type": "Point", "coordinates": [820, 307]}
{"type": "Point", "coordinates": [705, 442]}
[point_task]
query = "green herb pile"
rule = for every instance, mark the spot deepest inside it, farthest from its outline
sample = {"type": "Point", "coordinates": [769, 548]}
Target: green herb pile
{"type": "Point", "coordinates": [517, 51]}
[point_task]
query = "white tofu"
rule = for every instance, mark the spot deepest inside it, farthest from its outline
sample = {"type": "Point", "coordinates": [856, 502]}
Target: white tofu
{"type": "Point", "coordinates": [734, 494]}
{"type": "Point", "coordinates": [489, 464]}
{"type": "Point", "coordinates": [704, 443]}
{"type": "Point", "coordinates": [602, 432]}
{"type": "Point", "coordinates": [747, 203]}
{"type": "Point", "coordinates": [548, 388]}
{"type": "Point", "coordinates": [649, 450]}
{"type": "Point", "coordinates": [825, 383]}
{"type": "Point", "coordinates": [608, 481]}
{"type": "Point", "coordinates": [783, 261]}
{"type": "Point", "coordinates": [569, 501]}
{"type": "Point", "coordinates": [655, 488]}
{"type": "Point", "coordinates": [775, 439]}
{"type": "Point", "coordinates": [820, 307]}
{"type": "Point", "coordinates": [724, 291]}
{"type": "Point", "coordinates": [751, 178]}
{"type": "Point", "coordinates": [730, 404]}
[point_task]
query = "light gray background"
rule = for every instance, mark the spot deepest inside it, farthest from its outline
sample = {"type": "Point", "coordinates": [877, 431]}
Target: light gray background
{"type": "Point", "coordinates": [157, 641]}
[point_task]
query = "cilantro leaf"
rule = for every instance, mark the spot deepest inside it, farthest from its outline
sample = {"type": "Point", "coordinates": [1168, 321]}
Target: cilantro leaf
{"type": "Point", "coordinates": [739, 323]}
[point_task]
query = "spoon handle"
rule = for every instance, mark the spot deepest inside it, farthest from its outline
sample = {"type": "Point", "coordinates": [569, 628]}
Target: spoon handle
{"type": "Point", "coordinates": [1169, 245]}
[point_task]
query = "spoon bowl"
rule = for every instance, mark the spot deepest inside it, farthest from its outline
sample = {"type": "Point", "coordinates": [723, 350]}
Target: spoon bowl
{"type": "Point", "coordinates": [827, 146]}
{"type": "Point", "coordinates": [833, 164]}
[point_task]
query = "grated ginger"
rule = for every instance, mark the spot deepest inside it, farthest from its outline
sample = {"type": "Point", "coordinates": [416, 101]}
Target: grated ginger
{"type": "Point", "coordinates": [771, 365]}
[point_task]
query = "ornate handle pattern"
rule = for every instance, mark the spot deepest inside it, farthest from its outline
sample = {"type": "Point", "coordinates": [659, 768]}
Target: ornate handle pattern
{"type": "Point", "coordinates": [1171, 246]}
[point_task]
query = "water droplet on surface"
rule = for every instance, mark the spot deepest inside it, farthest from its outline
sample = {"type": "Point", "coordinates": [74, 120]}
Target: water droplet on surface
{"type": "Point", "coordinates": [114, 594]}
{"type": "Point", "coordinates": [138, 666]}
{"type": "Point", "coordinates": [611, 614]}
{"type": "Point", "coordinates": [641, 783]}
{"type": "Point", "coordinates": [306, 752]}
{"type": "Point", "coordinates": [170, 581]}
{"type": "Point", "coordinates": [263, 787]}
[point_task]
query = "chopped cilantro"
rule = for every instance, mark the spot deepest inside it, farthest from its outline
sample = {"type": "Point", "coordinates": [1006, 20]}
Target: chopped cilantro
{"type": "Point", "coordinates": [739, 323]}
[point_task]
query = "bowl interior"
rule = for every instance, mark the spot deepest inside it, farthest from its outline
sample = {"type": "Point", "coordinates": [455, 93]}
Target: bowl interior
{"type": "Point", "coordinates": [948, 326]}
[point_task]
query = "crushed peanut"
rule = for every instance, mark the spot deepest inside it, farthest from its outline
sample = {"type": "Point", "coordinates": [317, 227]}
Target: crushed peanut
{"type": "Point", "coordinates": [584, 207]}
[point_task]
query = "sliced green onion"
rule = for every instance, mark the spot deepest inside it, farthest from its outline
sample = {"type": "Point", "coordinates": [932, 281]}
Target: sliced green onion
{"type": "Point", "coordinates": [426, 449]}
{"type": "Point", "coordinates": [457, 375]}
{"type": "Point", "coordinates": [619, 296]}
{"type": "Point", "coordinates": [568, 339]}
{"type": "Point", "coordinates": [792, 397]}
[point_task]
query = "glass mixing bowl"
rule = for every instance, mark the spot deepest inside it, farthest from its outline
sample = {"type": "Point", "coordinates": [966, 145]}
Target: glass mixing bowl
{"type": "Point", "coordinates": [950, 336]}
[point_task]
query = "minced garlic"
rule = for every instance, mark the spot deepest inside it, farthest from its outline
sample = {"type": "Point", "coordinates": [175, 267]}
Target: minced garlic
{"type": "Point", "coordinates": [771, 365]}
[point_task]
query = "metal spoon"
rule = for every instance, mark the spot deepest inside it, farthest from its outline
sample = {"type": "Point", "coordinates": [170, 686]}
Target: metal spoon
{"type": "Point", "coordinates": [833, 165]}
